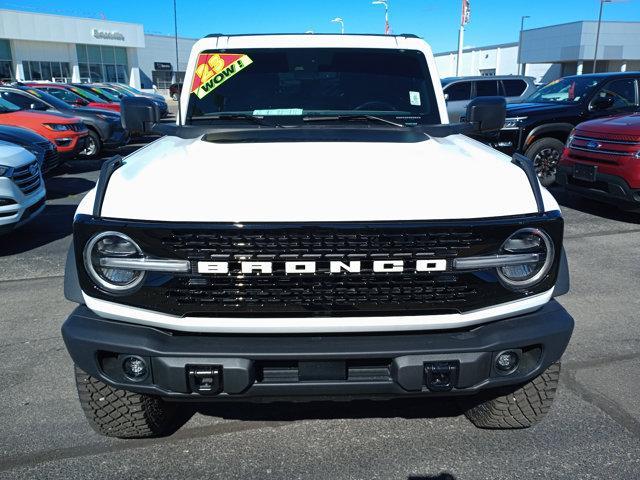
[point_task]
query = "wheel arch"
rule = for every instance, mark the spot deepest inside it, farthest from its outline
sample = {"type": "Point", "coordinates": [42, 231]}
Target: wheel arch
{"type": "Point", "coordinates": [98, 131]}
{"type": "Point", "coordinates": [559, 131]}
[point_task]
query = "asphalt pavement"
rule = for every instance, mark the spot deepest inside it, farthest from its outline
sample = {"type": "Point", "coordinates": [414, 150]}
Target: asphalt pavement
{"type": "Point", "coordinates": [592, 432]}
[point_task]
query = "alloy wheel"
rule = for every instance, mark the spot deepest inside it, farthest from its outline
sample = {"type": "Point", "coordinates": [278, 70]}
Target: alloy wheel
{"type": "Point", "coordinates": [91, 147]}
{"type": "Point", "coordinates": [546, 163]}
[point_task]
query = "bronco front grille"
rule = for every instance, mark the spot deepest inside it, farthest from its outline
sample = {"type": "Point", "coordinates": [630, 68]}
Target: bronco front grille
{"type": "Point", "coordinates": [278, 293]}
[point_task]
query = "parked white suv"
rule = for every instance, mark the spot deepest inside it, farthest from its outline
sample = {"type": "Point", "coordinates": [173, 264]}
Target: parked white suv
{"type": "Point", "coordinates": [312, 226]}
{"type": "Point", "coordinates": [22, 191]}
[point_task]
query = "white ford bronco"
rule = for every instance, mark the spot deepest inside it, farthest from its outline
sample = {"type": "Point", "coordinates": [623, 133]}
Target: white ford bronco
{"type": "Point", "coordinates": [314, 227]}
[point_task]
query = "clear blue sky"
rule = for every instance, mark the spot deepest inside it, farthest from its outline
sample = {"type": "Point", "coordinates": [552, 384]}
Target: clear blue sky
{"type": "Point", "coordinates": [492, 21]}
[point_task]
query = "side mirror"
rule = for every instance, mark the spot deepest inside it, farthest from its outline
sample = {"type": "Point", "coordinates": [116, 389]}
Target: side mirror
{"type": "Point", "coordinates": [139, 114]}
{"type": "Point", "coordinates": [487, 114]}
{"type": "Point", "coordinates": [602, 103]}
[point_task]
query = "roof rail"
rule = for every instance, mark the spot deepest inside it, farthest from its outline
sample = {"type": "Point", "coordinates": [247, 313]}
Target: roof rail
{"type": "Point", "coordinates": [213, 35]}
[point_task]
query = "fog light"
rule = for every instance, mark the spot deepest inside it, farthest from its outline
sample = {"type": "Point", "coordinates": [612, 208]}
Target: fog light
{"type": "Point", "coordinates": [135, 368]}
{"type": "Point", "coordinates": [507, 361]}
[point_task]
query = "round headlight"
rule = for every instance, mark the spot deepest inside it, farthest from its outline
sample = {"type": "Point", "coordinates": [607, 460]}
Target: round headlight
{"type": "Point", "coordinates": [107, 245]}
{"type": "Point", "coordinates": [527, 241]}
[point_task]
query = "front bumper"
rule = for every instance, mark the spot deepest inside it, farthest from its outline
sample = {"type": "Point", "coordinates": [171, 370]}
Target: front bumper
{"type": "Point", "coordinates": [23, 207]}
{"type": "Point", "coordinates": [315, 365]}
{"type": "Point", "coordinates": [72, 145]}
{"type": "Point", "coordinates": [606, 188]}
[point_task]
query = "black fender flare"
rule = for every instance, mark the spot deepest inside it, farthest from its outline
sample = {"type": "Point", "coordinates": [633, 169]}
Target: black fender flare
{"type": "Point", "coordinates": [540, 131]}
{"type": "Point", "coordinates": [72, 290]}
{"type": "Point", "coordinates": [563, 283]}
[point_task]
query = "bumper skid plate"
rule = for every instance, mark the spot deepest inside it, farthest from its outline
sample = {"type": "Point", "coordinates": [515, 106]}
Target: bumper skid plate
{"type": "Point", "coordinates": [226, 367]}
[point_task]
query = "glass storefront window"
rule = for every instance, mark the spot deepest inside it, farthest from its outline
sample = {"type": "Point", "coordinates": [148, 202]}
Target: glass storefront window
{"type": "Point", "coordinates": [66, 72]}
{"type": "Point", "coordinates": [36, 74]}
{"type": "Point", "coordinates": [121, 71]}
{"type": "Point", "coordinates": [84, 71]}
{"type": "Point", "coordinates": [95, 72]}
{"type": "Point", "coordinates": [45, 70]}
{"type": "Point", "coordinates": [35, 70]}
{"type": "Point", "coordinates": [56, 71]}
{"type": "Point", "coordinates": [108, 56]}
{"type": "Point", "coordinates": [102, 63]}
{"type": "Point", "coordinates": [110, 71]}
{"type": "Point", "coordinates": [93, 54]}
{"type": "Point", "coordinates": [162, 78]}
{"type": "Point", "coordinates": [81, 51]}
{"type": "Point", "coordinates": [5, 50]}
{"type": "Point", "coordinates": [6, 74]}
{"type": "Point", "coordinates": [121, 55]}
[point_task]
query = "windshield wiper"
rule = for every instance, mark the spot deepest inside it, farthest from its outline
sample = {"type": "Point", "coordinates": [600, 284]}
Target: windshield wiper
{"type": "Point", "coordinates": [354, 117]}
{"type": "Point", "coordinates": [237, 116]}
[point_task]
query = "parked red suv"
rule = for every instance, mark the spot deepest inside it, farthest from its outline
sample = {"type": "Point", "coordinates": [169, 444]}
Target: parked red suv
{"type": "Point", "coordinates": [67, 133]}
{"type": "Point", "coordinates": [75, 96]}
{"type": "Point", "coordinates": [602, 161]}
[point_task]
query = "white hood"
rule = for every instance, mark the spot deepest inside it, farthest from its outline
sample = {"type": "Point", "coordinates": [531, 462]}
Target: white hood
{"type": "Point", "coordinates": [181, 180]}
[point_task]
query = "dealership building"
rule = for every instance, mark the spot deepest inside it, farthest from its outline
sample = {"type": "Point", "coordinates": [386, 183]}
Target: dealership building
{"type": "Point", "coordinates": [547, 53]}
{"type": "Point", "coordinates": [35, 46]}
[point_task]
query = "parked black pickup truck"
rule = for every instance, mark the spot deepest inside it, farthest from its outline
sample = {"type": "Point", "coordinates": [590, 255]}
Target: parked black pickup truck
{"type": "Point", "coordinates": [540, 127]}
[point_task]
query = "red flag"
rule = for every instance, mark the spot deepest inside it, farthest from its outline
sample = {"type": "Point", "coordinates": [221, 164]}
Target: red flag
{"type": "Point", "coordinates": [466, 12]}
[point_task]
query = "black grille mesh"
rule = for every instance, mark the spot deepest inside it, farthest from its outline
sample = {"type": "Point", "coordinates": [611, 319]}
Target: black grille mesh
{"type": "Point", "coordinates": [321, 291]}
{"type": "Point", "coordinates": [286, 246]}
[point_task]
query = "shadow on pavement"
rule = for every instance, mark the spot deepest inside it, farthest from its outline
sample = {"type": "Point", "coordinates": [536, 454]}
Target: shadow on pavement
{"type": "Point", "coordinates": [323, 410]}
{"type": "Point", "coordinates": [440, 476]}
{"type": "Point", "coordinates": [62, 187]}
{"type": "Point", "coordinates": [51, 225]}
{"type": "Point", "coordinates": [593, 207]}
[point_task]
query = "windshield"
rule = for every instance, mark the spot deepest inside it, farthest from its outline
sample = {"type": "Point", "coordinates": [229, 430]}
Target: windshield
{"type": "Point", "coordinates": [564, 90]}
{"type": "Point", "coordinates": [298, 82]}
{"type": "Point", "coordinates": [116, 92]}
{"type": "Point", "coordinates": [6, 106]}
{"type": "Point", "coordinates": [126, 88]}
{"type": "Point", "coordinates": [103, 93]}
{"type": "Point", "coordinates": [86, 95]}
{"type": "Point", "coordinates": [48, 98]}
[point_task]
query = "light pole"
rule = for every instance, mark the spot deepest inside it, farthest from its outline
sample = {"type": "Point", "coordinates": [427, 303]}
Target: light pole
{"type": "Point", "coordinates": [522, 68]}
{"type": "Point", "coordinates": [595, 55]}
{"type": "Point", "coordinates": [175, 35]}
{"type": "Point", "coordinates": [387, 27]}
{"type": "Point", "coordinates": [341, 22]}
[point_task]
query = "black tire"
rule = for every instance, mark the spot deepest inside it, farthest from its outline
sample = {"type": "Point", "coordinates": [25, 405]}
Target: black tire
{"type": "Point", "coordinates": [521, 408]}
{"type": "Point", "coordinates": [545, 155]}
{"type": "Point", "coordinates": [122, 414]}
{"type": "Point", "coordinates": [94, 145]}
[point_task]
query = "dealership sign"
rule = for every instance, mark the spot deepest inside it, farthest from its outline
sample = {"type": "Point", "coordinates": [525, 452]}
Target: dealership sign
{"type": "Point", "coordinates": [162, 66]}
{"type": "Point", "coordinates": [107, 35]}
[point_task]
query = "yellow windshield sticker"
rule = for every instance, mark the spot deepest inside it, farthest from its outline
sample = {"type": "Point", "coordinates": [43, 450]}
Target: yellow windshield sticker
{"type": "Point", "coordinates": [212, 70]}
